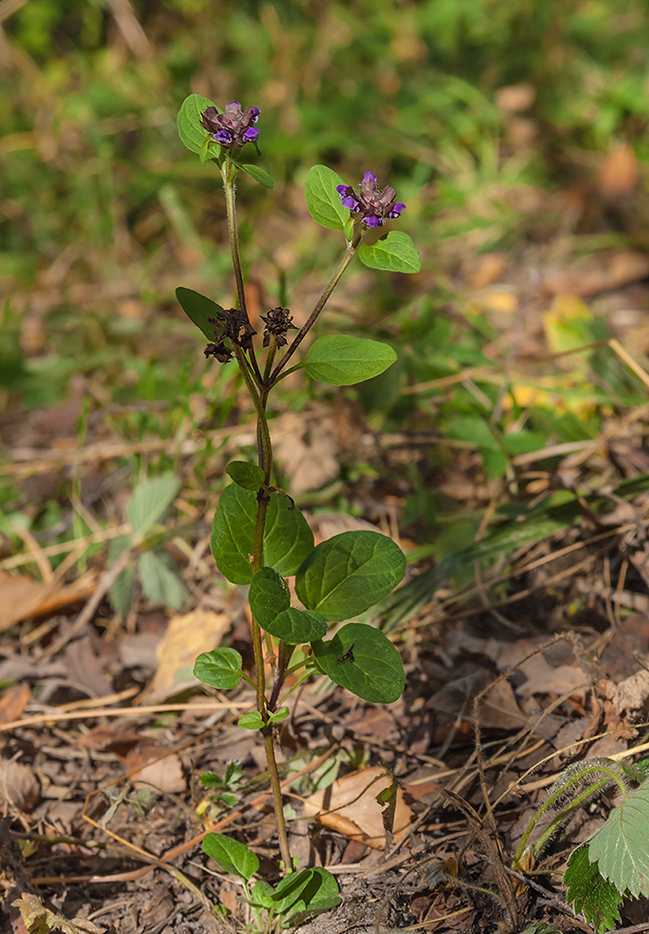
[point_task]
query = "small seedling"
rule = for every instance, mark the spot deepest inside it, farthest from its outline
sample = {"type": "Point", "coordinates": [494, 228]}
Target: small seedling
{"type": "Point", "coordinates": [614, 863]}
{"type": "Point", "coordinates": [259, 536]}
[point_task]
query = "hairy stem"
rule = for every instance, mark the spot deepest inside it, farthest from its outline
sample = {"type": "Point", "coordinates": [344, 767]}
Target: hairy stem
{"type": "Point", "coordinates": [259, 395]}
{"type": "Point", "coordinates": [228, 173]}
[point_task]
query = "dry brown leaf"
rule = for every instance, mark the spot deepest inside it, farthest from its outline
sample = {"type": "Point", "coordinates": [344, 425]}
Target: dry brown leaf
{"type": "Point", "coordinates": [21, 597]}
{"type": "Point", "coordinates": [630, 694]}
{"type": "Point", "coordinates": [18, 784]}
{"type": "Point", "coordinates": [184, 639]}
{"type": "Point", "coordinates": [146, 768]}
{"type": "Point", "coordinates": [515, 98]}
{"type": "Point", "coordinates": [618, 172]}
{"type": "Point", "coordinates": [542, 678]}
{"type": "Point", "coordinates": [306, 447]}
{"type": "Point", "coordinates": [13, 702]}
{"type": "Point", "coordinates": [349, 806]}
{"type": "Point", "coordinates": [599, 273]}
{"type": "Point", "coordinates": [38, 918]}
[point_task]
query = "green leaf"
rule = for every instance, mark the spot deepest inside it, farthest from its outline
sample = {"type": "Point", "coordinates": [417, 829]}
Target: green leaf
{"type": "Point", "coordinates": [150, 502]}
{"type": "Point", "coordinates": [297, 626]}
{"type": "Point", "coordinates": [311, 890]}
{"type": "Point", "coordinates": [363, 660]}
{"type": "Point", "coordinates": [342, 360]}
{"type": "Point", "coordinates": [262, 894]}
{"type": "Point", "coordinates": [279, 715]}
{"type": "Point", "coordinates": [251, 721]}
{"type": "Point", "coordinates": [248, 476]}
{"type": "Point", "coordinates": [121, 591]}
{"type": "Point", "coordinates": [270, 605]}
{"type": "Point", "coordinates": [190, 131]}
{"type": "Point", "coordinates": [260, 175]}
{"type": "Point", "coordinates": [199, 309]}
{"type": "Point", "coordinates": [590, 891]}
{"type": "Point", "coordinates": [322, 199]}
{"type": "Point", "coordinates": [161, 581]}
{"type": "Point", "coordinates": [287, 536]}
{"type": "Point", "coordinates": [394, 252]}
{"type": "Point", "coordinates": [268, 596]}
{"type": "Point", "coordinates": [231, 855]}
{"type": "Point", "coordinates": [349, 573]}
{"type": "Point", "coordinates": [220, 668]}
{"type": "Point", "coordinates": [620, 846]}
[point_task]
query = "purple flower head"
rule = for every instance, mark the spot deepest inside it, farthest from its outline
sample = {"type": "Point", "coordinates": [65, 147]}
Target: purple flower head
{"type": "Point", "coordinates": [374, 205]}
{"type": "Point", "coordinates": [233, 127]}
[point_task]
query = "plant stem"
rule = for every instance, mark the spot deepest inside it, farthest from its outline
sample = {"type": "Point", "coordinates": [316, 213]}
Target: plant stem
{"type": "Point", "coordinates": [322, 301]}
{"type": "Point", "coordinates": [228, 173]}
{"type": "Point", "coordinates": [258, 389]}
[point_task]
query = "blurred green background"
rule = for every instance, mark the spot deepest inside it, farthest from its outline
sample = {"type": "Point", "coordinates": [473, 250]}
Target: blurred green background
{"type": "Point", "coordinates": [495, 120]}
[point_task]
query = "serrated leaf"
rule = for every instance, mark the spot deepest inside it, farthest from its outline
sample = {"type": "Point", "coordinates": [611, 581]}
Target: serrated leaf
{"type": "Point", "coordinates": [287, 536]}
{"type": "Point", "coordinates": [343, 360]}
{"type": "Point", "coordinates": [349, 573]}
{"type": "Point", "coordinates": [122, 588]}
{"type": "Point", "coordinates": [620, 846]}
{"type": "Point", "coordinates": [161, 581]}
{"type": "Point", "coordinates": [150, 501]}
{"type": "Point", "coordinates": [251, 721]}
{"type": "Point", "coordinates": [268, 596]}
{"type": "Point", "coordinates": [220, 669]}
{"type": "Point", "coordinates": [190, 131]}
{"type": "Point", "coordinates": [363, 660]}
{"type": "Point", "coordinates": [260, 175]}
{"type": "Point", "coordinates": [322, 199]}
{"type": "Point", "coordinates": [248, 476]}
{"type": "Point", "coordinates": [394, 252]}
{"type": "Point", "coordinates": [199, 309]}
{"type": "Point", "coordinates": [231, 855]}
{"type": "Point", "coordinates": [591, 893]}
{"type": "Point", "coordinates": [297, 626]}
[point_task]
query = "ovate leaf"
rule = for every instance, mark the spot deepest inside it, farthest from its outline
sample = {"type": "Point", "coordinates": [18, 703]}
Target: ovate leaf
{"type": "Point", "coordinates": [150, 501]}
{"type": "Point", "coordinates": [268, 596]}
{"type": "Point", "coordinates": [199, 309]}
{"type": "Point", "coordinates": [590, 891]}
{"type": "Point", "coordinates": [343, 360]}
{"type": "Point", "coordinates": [621, 845]}
{"type": "Point", "coordinates": [287, 536]}
{"type": "Point", "coordinates": [305, 890]}
{"type": "Point", "coordinates": [262, 894]}
{"type": "Point", "coordinates": [297, 626]}
{"type": "Point", "coordinates": [248, 476]}
{"type": "Point", "coordinates": [191, 133]}
{"type": "Point", "coordinates": [322, 199]}
{"type": "Point", "coordinates": [363, 660]}
{"type": "Point", "coordinates": [161, 581]}
{"type": "Point", "coordinates": [251, 721]}
{"type": "Point", "coordinates": [231, 855]}
{"type": "Point", "coordinates": [260, 175]}
{"type": "Point", "coordinates": [394, 252]}
{"type": "Point", "coordinates": [349, 573]}
{"type": "Point", "coordinates": [220, 669]}
{"type": "Point", "coordinates": [121, 591]}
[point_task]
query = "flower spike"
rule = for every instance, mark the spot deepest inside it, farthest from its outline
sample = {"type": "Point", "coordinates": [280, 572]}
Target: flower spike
{"type": "Point", "coordinates": [374, 205]}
